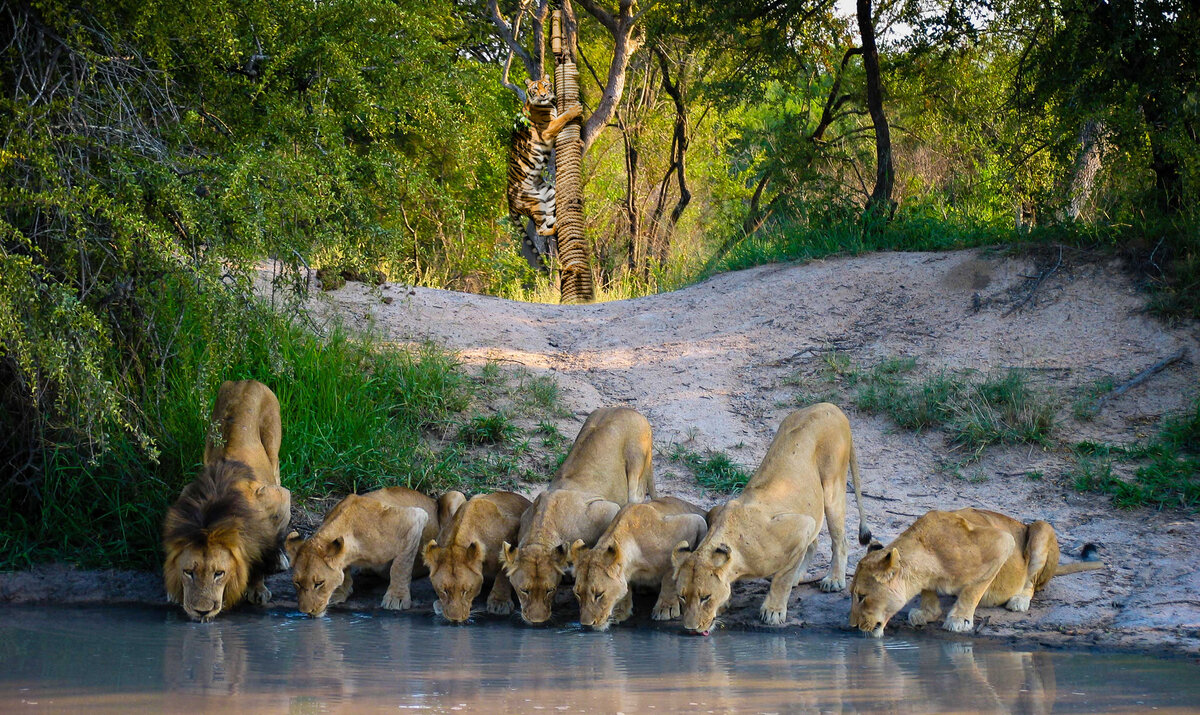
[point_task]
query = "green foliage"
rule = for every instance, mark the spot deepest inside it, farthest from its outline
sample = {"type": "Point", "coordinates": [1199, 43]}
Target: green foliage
{"type": "Point", "coordinates": [487, 429]}
{"type": "Point", "coordinates": [353, 417]}
{"type": "Point", "coordinates": [713, 470]}
{"type": "Point", "coordinates": [1166, 470]}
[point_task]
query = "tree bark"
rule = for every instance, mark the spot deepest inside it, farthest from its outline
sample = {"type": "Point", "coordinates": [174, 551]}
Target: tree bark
{"type": "Point", "coordinates": [880, 202]}
{"type": "Point", "coordinates": [620, 26]}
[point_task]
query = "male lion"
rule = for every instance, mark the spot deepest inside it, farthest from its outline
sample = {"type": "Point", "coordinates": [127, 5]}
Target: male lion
{"type": "Point", "coordinates": [380, 531]}
{"type": "Point", "coordinates": [467, 551]}
{"type": "Point", "coordinates": [222, 536]}
{"type": "Point", "coordinates": [771, 529]}
{"type": "Point", "coordinates": [635, 550]}
{"type": "Point", "coordinates": [608, 466]}
{"type": "Point", "coordinates": [983, 558]}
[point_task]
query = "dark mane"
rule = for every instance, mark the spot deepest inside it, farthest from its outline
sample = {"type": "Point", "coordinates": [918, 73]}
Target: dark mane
{"type": "Point", "coordinates": [209, 503]}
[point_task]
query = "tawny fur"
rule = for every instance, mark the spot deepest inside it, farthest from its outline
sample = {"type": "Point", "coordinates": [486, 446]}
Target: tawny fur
{"type": "Point", "coordinates": [608, 466]}
{"type": "Point", "coordinates": [467, 551]}
{"type": "Point", "coordinates": [222, 536]}
{"type": "Point", "coordinates": [981, 557]}
{"type": "Point", "coordinates": [381, 531]}
{"type": "Point", "coordinates": [770, 530]}
{"type": "Point", "coordinates": [635, 550]}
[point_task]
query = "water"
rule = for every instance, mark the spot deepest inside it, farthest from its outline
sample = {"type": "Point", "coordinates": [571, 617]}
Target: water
{"type": "Point", "coordinates": [119, 659]}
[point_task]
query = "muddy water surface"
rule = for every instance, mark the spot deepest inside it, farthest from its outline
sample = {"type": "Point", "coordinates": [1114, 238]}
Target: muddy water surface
{"type": "Point", "coordinates": [125, 658]}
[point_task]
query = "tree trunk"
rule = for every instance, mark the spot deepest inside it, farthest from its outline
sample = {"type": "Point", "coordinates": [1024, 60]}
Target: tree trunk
{"type": "Point", "coordinates": [1087, 165]}
{"type": "Point", "coordinates": [880, 202]}
{"type": "Point", "coordinates": [636, 259]}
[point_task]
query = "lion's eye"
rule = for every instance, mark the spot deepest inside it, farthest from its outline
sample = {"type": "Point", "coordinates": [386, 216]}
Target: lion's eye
{"type": "Point", "coordinates": [189, 573]}
{"type": "Point", "coordinates": [297, 585]}
{"type": "Point", "coordinates": [596, 597]}
{"type": "Point", "coordinates": [523, 592]}
{"type": "Point", "coordinates": [861, 597]}
{"type": "Point", "coordinates": [704, 599]}
{"type": "Point", "coordinates": [218, 574]}
{"type": "Point", "coordinates": [318, 584]}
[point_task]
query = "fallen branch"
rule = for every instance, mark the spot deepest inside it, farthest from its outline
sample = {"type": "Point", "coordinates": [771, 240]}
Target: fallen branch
{"type": "Point", "coordinates": [1139, 378]}
{"type": "Point", "coordinates": [1041, 278]}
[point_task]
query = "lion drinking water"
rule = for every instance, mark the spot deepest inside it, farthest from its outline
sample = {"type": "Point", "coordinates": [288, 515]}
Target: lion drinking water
{"type": "Point", "coordinates": [770, 530]}
{"type": "Point", "coordinates": [467, 551]}
{"type": "Point", "coordinates": [982, 557]}
{"type": "Point", "coordinates": [635, 550]}
{"type": "Point", "coordinates": [380, 531]}
{"type": "Point", "coordinates": [608, 466]}
{"type": "Point", "coordinates": [222, 536]}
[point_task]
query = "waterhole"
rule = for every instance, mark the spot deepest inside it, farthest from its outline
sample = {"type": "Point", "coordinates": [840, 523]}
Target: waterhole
{"type": "Point", "coordinates": [122, 658]}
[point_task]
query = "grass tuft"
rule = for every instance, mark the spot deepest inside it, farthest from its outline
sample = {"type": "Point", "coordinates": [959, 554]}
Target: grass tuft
{"type": "Point", "coordinates": [714, 470]}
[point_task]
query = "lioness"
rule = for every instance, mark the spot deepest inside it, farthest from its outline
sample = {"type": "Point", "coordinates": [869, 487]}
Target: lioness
{"type": "Point", "coordinates": [380, 531]}
{"type": "Point", "coordinates": [467, 551]}
{"type": "Point", "coordinates": [608, 466]}
{"type": "Point", "coordinates": [222, 536]}
{"type": "Point", "coordinates": [983, 558]}
{"type": "Point", "coordinates": [771, 529]}
{"type": "Point", "coordinates": [635, 550]}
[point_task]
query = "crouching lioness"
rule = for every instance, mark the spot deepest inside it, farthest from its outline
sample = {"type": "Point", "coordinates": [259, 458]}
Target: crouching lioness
{"type": "Point", "coordinates": [608, 466]}
{"type": "Point", "coordinates": [635, 550]}
{"type": "Point", "coordinates": [983, 558]}
{"type": "Point", "coordinates": [770, 530]}
{"type": "Point", "coordinates": [467, 551]}
{"type": "Point", "coordinates": [223, 534]}
{"type": "Point", "coordinates": [380, 531]}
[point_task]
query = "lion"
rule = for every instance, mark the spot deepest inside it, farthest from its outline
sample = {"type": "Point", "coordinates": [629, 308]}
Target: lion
{"type": "Point", "coordinates": [982, 557]}
{"type": "Point", "coordinates": [635, 550]}
{"type": "Point", "coordinates": [380, 531]}
{"type": "Point", "coordinates": [608, 466]}
{"type": "Point", "coordinates": [467, 551]}
{"type": "Point", "coordinates": [771, 529]}
{"type": "Point", "coordinates": [222, 536]}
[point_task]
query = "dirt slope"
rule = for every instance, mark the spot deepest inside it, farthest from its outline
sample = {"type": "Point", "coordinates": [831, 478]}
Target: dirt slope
{"type": "Point", "coordinates": [716, 365]}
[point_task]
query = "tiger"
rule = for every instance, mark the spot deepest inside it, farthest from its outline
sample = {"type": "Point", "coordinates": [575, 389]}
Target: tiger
{"type": "Point", "coordinates": [529, 194]}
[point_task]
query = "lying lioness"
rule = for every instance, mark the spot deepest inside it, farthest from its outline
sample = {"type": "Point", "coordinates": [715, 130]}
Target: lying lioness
{"type": "Point", "coordinates": [467, 551]}
{"type": "Point", "coordinates": [771, 529]}
{"type": "Point", "coordinates": [635, 550]}
{"type": "Point", "coordinates": [983, 558]}
{"type": "Point", "coordinates": [608, 466]}
{"type": "Point", "coordinates": [380, 531]}
{"type": "Point", "coordinates": [223, 534]}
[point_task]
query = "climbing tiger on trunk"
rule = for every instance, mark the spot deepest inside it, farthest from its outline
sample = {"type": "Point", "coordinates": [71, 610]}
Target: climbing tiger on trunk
{"type": "Point", "coordinates": [529, 194]}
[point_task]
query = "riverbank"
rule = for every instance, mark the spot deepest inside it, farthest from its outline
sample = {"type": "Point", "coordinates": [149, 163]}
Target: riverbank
{"type": "Point", "coordinates": [716, 366]}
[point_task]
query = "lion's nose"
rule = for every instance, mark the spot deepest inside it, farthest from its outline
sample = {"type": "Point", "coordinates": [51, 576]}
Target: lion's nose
{"type": "Point", "coordinates": [206, 614]}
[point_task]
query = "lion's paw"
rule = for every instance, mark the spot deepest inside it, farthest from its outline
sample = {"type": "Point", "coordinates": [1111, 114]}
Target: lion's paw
{"type": "Point", "coordinates": [830, 584]}
{"type": "Point", "coordinates": [1018, 603]}
{"type": "Point", "coordinates": [772, 616]}
{"type": "Point", "coordinates": [959, 625]}
{"type": "Point", "coordinates": [339, 596]}
{"type": "Point", "coordinates": [920, 618]}
{"type": "Point", "coordinates": [392, 602]}
{"type": "Point", "coordinates": [499, 606]}
{"type": "Point", "coordinates": [437, 608]}
{"type": "Point", "coordinates": [665, 611]}
{"type": "Point", "coordinates": [259, 595]}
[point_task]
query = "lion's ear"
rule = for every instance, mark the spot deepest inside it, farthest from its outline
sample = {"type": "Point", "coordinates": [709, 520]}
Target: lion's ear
{"type": "Point", "coordinates": [678, 554]}
{"type": "Point", "coordinates": [613, 552]}
{"type": "Point", "coordinates": [891, 564]}
{"type": "Point", "coordinates": [429, 554]}
{"type": "Point", "coordinates": [291, 545]}
{"type": "Point", "coordinates": [335, 547]}
{"type": "Point", "coordinates": [577, 550]}
{"type": "Point", "coordinates": [474, 551]}
{"type": "Point", "coordinates": [508, 557]}
{"type": "Point", "coordinates": [721, 555]}
{"type": "Point", "coordinates": [559, 557]}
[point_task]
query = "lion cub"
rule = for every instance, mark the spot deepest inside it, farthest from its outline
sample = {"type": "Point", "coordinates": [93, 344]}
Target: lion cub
{"type": "Point", "coordinates": [608, 466]}
{"type": "Point", "coordinates": [223, 534]}
{"type": "Point", "coordinates": [467, 551]}
{"type": "Point", "coordinates": [380, 531]}
{"type": "Point", "coordinates": [635, 550]}
{"type": "Point", "coordinates": [770, 530]}
{"type": "Point", "coordinates": [983, 558]}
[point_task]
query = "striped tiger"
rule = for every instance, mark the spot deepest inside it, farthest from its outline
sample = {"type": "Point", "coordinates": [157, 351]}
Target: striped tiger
{"type": "Point", "coordinates": [529, 194]}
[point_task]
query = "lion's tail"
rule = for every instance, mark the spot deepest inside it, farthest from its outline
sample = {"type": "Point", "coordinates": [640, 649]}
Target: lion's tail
{"type": "Point", "coordinates": [864, 532]}
{"type": "Point", "coordinates": [1089, 561]}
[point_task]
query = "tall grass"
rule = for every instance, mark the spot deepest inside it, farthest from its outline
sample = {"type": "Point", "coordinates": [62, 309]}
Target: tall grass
{"type": "Point", "coordinates": [353, 413]}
